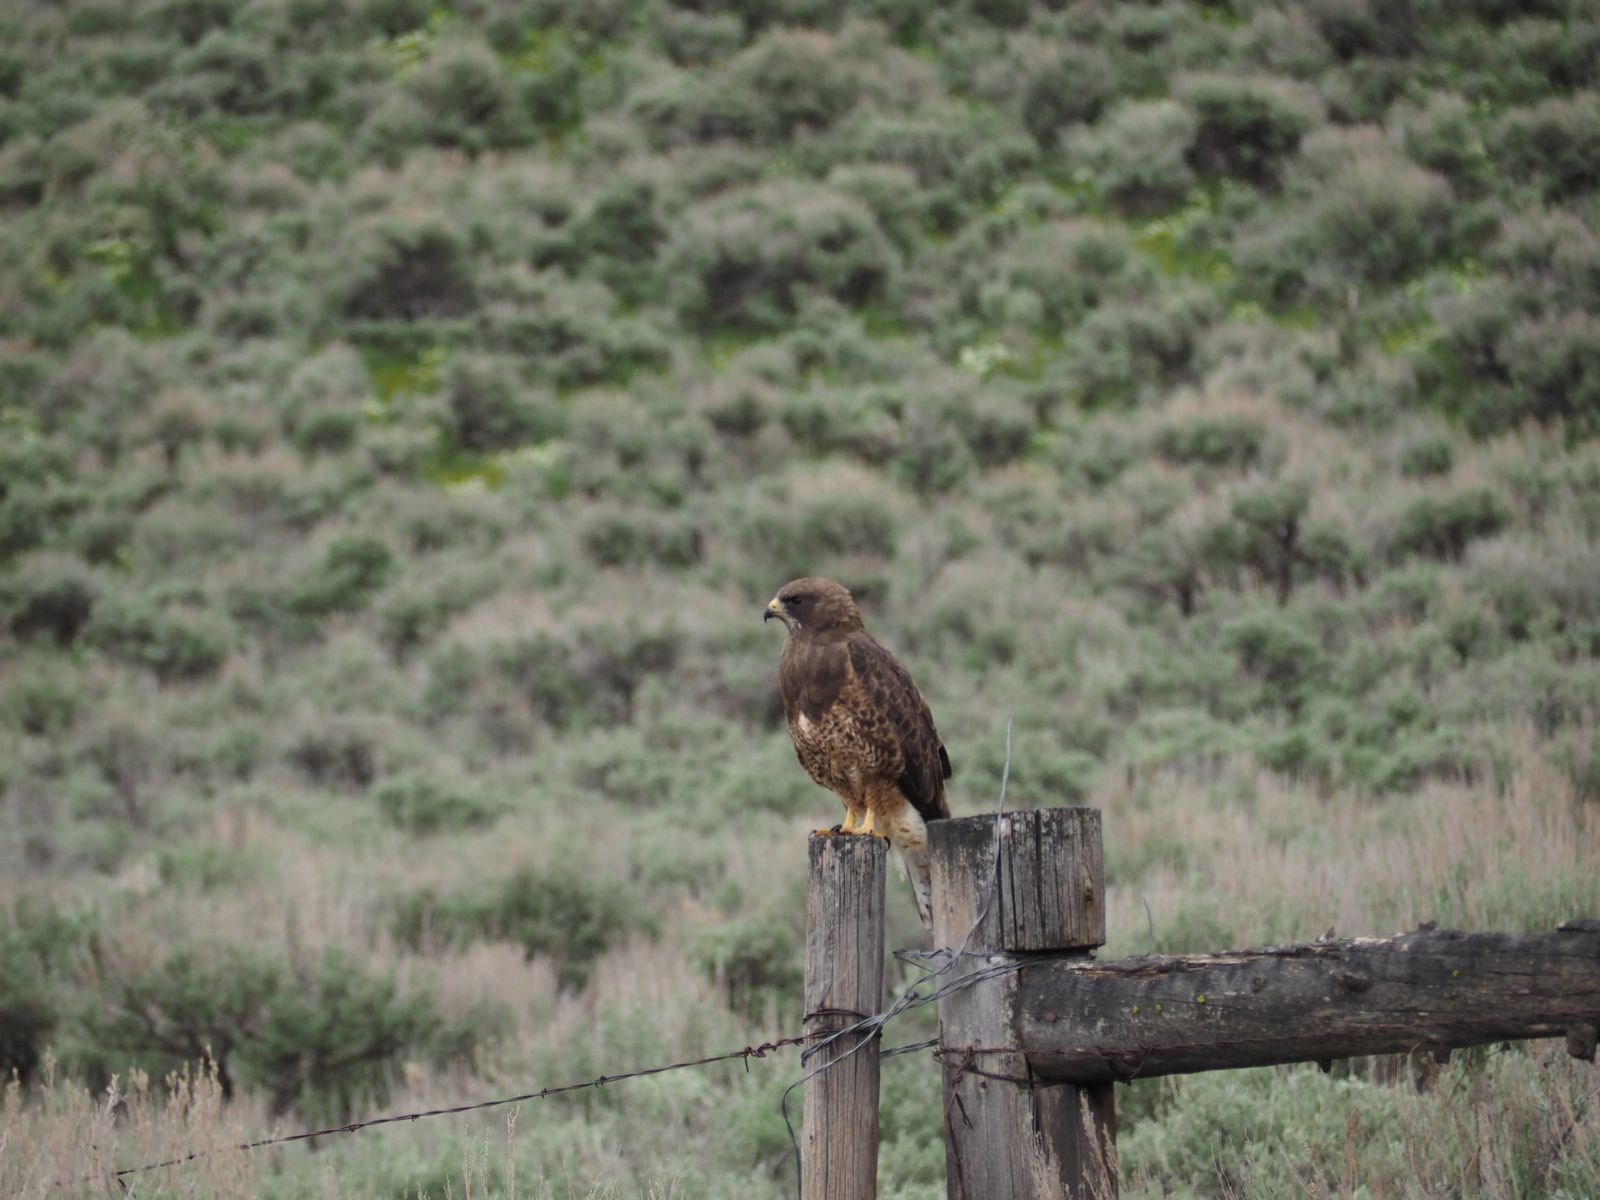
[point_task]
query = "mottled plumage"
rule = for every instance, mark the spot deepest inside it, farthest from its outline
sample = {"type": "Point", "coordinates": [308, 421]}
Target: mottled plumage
{"type": "Point", "coordinates": [859, 725]}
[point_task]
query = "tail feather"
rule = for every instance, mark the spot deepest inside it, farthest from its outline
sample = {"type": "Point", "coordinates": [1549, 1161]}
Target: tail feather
{"type": "Point", "coordinates": [915, 860]}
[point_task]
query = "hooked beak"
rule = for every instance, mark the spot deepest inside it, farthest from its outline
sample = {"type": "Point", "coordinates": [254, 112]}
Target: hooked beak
{"type": "Point", "coordinates": [773, 609]}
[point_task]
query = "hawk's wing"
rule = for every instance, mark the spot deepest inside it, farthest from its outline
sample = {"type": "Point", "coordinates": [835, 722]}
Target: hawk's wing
{"type": "Point", "coordinates": [891, 691]}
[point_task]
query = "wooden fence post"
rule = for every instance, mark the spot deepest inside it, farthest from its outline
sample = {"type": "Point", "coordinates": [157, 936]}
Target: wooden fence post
{"type": "Point", "coordinates": [844, 983]}
{"type": "Point", "coordinates": [1008, 1136]}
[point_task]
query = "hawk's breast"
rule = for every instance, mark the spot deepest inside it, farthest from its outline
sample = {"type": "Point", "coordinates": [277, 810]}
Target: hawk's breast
{"type": "Point", "coordinates": [847, 744]}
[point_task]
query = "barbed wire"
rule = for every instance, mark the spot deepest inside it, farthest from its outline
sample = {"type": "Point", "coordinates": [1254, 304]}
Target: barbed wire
{"type": "Point", "coordinates": [759, 1051]}
{"type": "Point", "coordinates": [867, 1029]}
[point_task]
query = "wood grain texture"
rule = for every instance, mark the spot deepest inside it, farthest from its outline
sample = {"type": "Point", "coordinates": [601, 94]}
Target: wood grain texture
{"type": "Point", "coordinates": [1007, 1136]}
{"type": "Point", "coordinates": [1051, 880]}
{"type": "Point", "coordinates": [1427, 989]}
{"type": "Point", "coordinates": [844, 982]}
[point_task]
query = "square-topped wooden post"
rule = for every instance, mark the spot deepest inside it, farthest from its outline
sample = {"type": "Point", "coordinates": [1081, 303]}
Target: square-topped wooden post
{"type": "Point", "coordinates": [1008, 1135]}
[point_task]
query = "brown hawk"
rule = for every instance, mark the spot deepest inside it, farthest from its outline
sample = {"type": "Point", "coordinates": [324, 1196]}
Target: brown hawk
{"type": "Point", "coordinates": [859, 725]}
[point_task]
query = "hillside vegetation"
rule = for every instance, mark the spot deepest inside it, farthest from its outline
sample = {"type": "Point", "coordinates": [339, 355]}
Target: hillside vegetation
{"type": "Point", "coordinates": [406, 409]}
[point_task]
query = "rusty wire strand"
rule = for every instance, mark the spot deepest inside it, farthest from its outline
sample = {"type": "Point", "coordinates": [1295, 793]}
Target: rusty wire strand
{"type": "Point", "coordinates": [746, 1053]}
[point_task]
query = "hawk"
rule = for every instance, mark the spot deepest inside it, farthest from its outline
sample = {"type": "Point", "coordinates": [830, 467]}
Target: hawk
{"type": "Point", "coordinates": [859, 725]}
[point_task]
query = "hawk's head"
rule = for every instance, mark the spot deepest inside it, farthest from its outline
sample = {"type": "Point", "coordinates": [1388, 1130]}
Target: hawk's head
{"type": "Point", "coordinates": [814, 606]}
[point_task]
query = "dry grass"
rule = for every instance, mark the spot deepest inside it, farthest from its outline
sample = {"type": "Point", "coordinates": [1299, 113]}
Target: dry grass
{"type": "Point", "coordinates": [60, 1140]}
{"type": "Point", "coordinates": [1275, 860]}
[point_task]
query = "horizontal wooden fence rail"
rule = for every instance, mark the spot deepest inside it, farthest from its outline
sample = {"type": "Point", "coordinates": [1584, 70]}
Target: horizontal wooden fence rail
{"type": "Point", "coordinates": [1430, 989]}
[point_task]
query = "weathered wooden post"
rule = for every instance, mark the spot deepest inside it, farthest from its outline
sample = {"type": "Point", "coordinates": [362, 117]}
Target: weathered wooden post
{"type": "Point", "coordinates": [1009, 1136]}
{"type": "Point", "coordinates": [844, 983]}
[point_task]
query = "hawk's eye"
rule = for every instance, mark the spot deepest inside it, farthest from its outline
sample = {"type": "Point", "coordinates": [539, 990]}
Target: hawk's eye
{"type": "Point", "coordinates": [794, 600]}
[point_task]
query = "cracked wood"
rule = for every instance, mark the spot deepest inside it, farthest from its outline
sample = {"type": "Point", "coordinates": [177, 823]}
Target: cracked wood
{"type": "Point", "coordinates": [1433, 989]}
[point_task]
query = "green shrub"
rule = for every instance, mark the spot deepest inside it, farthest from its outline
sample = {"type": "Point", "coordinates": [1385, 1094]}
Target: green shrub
{"type": "Point", "coordinates": [964, 156]}
{"type": "Point", "coordinates": [37, 498]}
{"type": "Point", "coordinates": [1245, 126]}
{"type": "Point", "coordinates": [423, 804]}
{"type": "Point", "coordinates": [191, 1008]}
{"type": "Point", "coordinates": [694, 39]}
{"type": "Point", "coordinates": [1166, 564]}
{"type": "Point", "coordinates": [41, 697]}
{"type": "Point", "coordinates": [39, 943]}
{"type": "Point", "coordinates": [756, 963]}
{"type": "Point", "coordinates": [996, 425]}
{"type": "Point", "coordinates": [1469, 632]}
{"type": "Point", "coordinates": [489, 409]}
{"type": "Point", "coordinates": [1270, 525]}
{"type": "Point", "coordinates": [1066, 267]}
{"type": "Point", "coordinates": [1139, 153]}
{"type": "Point", "coordinates": [414, 612]}
{"type": "Point", "coordinates": [204, 866]}
{"type": "Point", "coordinates": [628, 537]}
{"type": "Point", "coordinates": [544, 670]}
{"type": "Point", "coordinates": [1124, 353]}
{"type": "Point", "coordinates": [1523, 338]}
{"type": "Point", "coordinates": [1233, 442]}
{"type": "Point", "coordinates": [744, 261]}
{"type": "Point", "coordinates": [1427, 457]}
{"type": "Point", "coordinates": [191, 20]}
{"type": "Point", "coordinates": [1363, 216]}
{"type": "Point", "coordinates": [568, 332]}
{"type": "Point", "coordinates": [225, 72]}
{"type": "Point", "coordinates": [323, 398]}
{"type": "Point", "coordinates": [591, 678]}
{"type": "Point", "coordinates": [1381, 218]}
{"type": "Point", "coordinates": [1044, 771]}
{"type": "Point", "coordinates": [842, 524]}
{"type": "Point", "coordinates": [571, 917]}
{"type": "Point", "coordinates": [791, 81]}
{"type": "Point", "coordinates": [680, 107]}
{"type": "Point", "coordinates": [332, 752]}
{"type": "Point", "coordinates": [1550, 260]}
{"type": "Point", "coordinates": [332, 1042]}
{"type": "Point", "coordinates": [1442, 527]}
{"type": "Point", "coordinates": [619, 235]}
{"type": "Point", "coordinates": [235, 753]}
{"type": "Point", "coordinates": [468, 101]}
{"type": "Point", "coordinates": [1554, 145]}
{"type": "Point", "coordinates": [324, 1041]}
{"type": "Point", "coordinates": [49, 597]}
{"type": "Point", "coordinates": [863, 422]}
{"type": "Point", "coordinates": [1447, 136]}
{"type": "Point", "coordinates": [931, 457]}
{"type": "Point", "coordinates": [1069, 86]}
{"type": "Point", "coordinates": [1554, 369]}
{"type": "Point", "coordinates": [1299, 754]}
{"type": "Point", "coordinates": [353, 567]}
{"type": "Point", "coordinates": [178, 644]}
{"type": "Point", "coordinates": [891, 192]}
{"type": "Point", "coordinates": [407, 268]}
{"type": "Point", "coordinates": [1283, 657]}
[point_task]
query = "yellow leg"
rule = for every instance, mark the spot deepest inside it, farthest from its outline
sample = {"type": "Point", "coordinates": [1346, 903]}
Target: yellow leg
{"type": "Point", "coordinates": [867, 829]}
